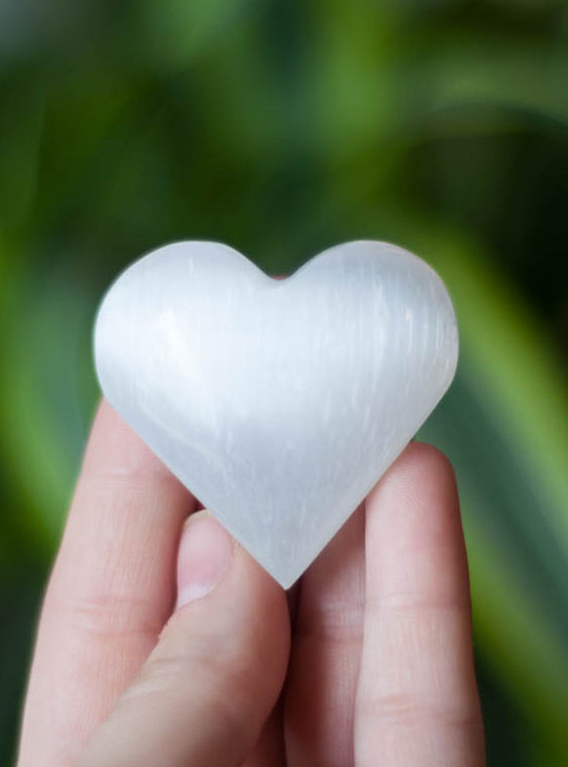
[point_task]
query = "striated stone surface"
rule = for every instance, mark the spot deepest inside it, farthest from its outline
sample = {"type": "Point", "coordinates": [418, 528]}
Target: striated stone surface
{"type": "Point", "coordinates": [279, 404]}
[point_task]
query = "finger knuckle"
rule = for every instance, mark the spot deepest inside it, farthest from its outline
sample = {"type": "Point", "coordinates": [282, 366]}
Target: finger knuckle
{"type": "Point", "coordinates": [407, 710]}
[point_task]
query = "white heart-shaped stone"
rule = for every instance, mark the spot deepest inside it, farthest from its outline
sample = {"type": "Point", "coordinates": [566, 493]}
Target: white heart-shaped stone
{"type": "Point", "coordinates": [278, 403]}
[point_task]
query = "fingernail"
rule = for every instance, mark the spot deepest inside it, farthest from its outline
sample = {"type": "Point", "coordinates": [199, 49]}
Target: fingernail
{"type": "Point", "coordinates": [205, 555]}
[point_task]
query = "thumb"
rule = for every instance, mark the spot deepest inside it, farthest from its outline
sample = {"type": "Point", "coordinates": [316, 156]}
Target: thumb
{"type": "Point", "coordinates": [217, 670]}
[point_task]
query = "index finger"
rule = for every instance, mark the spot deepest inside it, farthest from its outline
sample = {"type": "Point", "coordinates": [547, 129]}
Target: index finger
{"type": "Point", "coordinates": [110, 592]}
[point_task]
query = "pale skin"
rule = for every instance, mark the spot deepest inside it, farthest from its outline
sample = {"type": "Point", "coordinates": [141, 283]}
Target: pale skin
{"type": "Point", "coordinates": [374, 669]}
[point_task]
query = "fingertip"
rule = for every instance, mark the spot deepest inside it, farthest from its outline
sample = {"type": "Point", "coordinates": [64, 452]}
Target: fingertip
{"type": "Point", "coordinates": [218, 578]}
{"type": "Point", "coordinates": [419, 463]}
{"type": "Point", "coordinates": [417, 499]}
{"type": "Point", "coordinates": [414, 534]}
{"type": "Point", "coordinates": [423, 454]}
{"type": "Point", "coordinates": [205, 555]}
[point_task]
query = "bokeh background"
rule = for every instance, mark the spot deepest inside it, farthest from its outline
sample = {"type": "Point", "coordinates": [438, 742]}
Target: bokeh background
{"type": "Point", "coordinates": [282, 127]}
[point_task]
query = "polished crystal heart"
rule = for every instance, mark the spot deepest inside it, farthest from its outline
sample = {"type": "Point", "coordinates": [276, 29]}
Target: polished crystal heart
{"type": "Point", "coordinates": [278, 403]}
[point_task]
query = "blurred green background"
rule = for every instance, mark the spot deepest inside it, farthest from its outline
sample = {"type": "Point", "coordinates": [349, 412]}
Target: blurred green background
{"type": "Point", "coordinates": [282, 128]}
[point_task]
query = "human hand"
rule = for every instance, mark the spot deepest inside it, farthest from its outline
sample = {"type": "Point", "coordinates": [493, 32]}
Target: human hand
{"type": "Point", "coordinates": [379, 669]}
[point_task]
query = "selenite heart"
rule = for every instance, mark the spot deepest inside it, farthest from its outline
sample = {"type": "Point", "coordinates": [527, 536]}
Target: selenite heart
{"type": "Point", "coordinates": [278, 403]}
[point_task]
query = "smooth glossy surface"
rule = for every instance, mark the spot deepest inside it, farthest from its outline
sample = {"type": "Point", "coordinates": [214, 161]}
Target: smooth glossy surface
{"type": "Point", "coordinates": [279, 404]}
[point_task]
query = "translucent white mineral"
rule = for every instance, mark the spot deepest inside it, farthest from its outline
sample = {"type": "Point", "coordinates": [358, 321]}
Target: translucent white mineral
{"type": "Point", "coordinates": [279, 404]}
